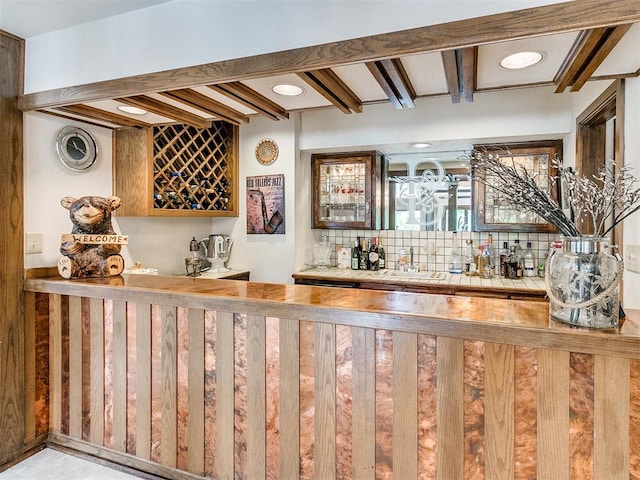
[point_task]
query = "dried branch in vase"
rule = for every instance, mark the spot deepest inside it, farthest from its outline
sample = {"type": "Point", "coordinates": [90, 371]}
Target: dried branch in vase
{"type": "Point", "coordinates": [604, 201]}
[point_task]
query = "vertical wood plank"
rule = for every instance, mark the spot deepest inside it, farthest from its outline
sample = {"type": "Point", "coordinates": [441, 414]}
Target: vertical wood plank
{"type": "Point", "coordinates": [499, 411]}
{"type": "Point", "coordinates": [553, 414]}
{"type": "Point", "coordinates": [55, 362]}
{"type": "Point", "coordinates": [119, 364]}
{"type": "Point", "coordinates": [195, 442]}
{"type": "Point", "coordinates": [325, 407]}
{"type": "Point", "coordinates": [289, 398]}
{"type": "Point", "coordinates": [143, 381]}
{"type": "Point", "coordinates": [75, 367]}
{"type": "Point", "coordinates": [405, 405]}
{"type": "Point", "coordinates": [256, 390]}
{"type": "Point", "coordinates": [364, 404]}
{"type": "Point", "coordinates": [225, 400]}
{"type": "Point", "coordinates": [30, 367]}
{"type": "Point", "coordinates": [611, 418]}
{"type": "Point", "coordinates": [450, 371]}
{"type": "Point", "coordinates": [97, 370]}
{"type": "Point", "coordinates": [169, 436]}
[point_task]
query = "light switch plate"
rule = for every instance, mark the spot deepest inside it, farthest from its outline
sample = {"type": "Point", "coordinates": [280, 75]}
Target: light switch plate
{"type": "Point", "coordinates": [33, 243]}
{"type": "Point", "coordinates": [632, 258]}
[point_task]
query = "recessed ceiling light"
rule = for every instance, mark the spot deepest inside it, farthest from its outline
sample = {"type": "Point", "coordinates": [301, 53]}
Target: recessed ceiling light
{"type": "Point", "coordinates": [132, 110]}
{"type": "Point", "coordinates": [521, 60]}
{"type": "Point", "coordinates": [288, 90]}
{"type": "Point", "coordinates": [421, 145]}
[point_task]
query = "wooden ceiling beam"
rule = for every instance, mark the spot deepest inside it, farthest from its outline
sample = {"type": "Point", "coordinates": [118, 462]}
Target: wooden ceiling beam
{"type": "Point", "coordinates": [588, 51]}
{"type": "Point", "coordinates": [331, 87]}
{"type": "Point", "coordinates": [468, 71]}
{"type": "Point", "coordinates": [450, 64]}
{"type": "Point", "coordinates": [98, 114]}
{"type": "Point", "coordinates": [164, 109]}
{"type": "Point", "coordinates": [394, 81]}
{"type": "Point", "coordinates": [206, 104]}
{"type": "Point", "coordinates": [248, 97]}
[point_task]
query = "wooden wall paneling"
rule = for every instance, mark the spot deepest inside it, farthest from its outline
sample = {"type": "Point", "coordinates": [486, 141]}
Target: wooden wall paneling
{"type": "Point", "coordinates": [289, 398]}
{"type": "Point", "coordinates": [75, 367]}
{"type": "Point", "coordinates": [119, 379]}
{"type": "Point", "coordinates": [611, 417]}
{"type": "Point", "coordinates": [553, 414]}
{"type": "Point", "coordinates": [499, 411]}
{"type": "Point", "coordinates": [364, 405]}
{"type": "Point", "coordinates": [195, 425]}
{"type": "Point", "coordinates": [168, 431]}
{"type": "Point", "coordinates": [55, 362]}
{"type": "Point", "coordinates": [96, 315]}
{"type": "Point", "coordinates": [450, 412]}
{"type": "Point", "coordinates": [405, 405]}
{"type": "Point", "coordinates": [12, 374]}
{"type": "Point", "coordinates": [30, 367]}
{"type": "Point", "coordinates": [143, 381]}
{"type": "Point", "coordinates": [225, 395]}
{"type": "Point", "coordinates": [325, 400]}
{"type": "Point", "coordinates": [256, 390]}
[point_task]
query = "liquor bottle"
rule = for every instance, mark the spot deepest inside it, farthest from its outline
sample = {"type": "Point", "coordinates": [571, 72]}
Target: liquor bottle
{"type": "Point", "coordinates": [485, 262]}
{"type": "Point", "coordinates": [364, 255]}
{"type": "Point", "coordinates": [529, 262]}
{"type": "Point", "coordinates": [382, 257]}
{"type": "Point", "coordinates": [374, 258]}
{"type": "Point", "coordinates": [469, 259]}
{"type": "Point", "coordinates": [355, 255]}
{"type": "Point", "coordinates": [456, 264]}
{"type": "Point", "coordinates": [504, 253]}
{"type": "Point", "coordinates": [514, 263]}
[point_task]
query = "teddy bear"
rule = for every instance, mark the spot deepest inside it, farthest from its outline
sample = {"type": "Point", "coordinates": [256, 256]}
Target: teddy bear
{"type": "Point", "coordinates": [92, 249]}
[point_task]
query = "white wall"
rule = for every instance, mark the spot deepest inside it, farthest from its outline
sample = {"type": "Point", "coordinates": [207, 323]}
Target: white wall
{"type": "Point", "coordinates": [160, 243]}
{"type": "Point", "coordinates": [192, 32]}
{"type": "Point", "coordinates": [270, 258]}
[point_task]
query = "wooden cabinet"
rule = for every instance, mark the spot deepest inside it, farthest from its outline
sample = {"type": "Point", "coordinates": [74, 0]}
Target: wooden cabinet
{"type": "Point", "coordinates": [177, 170]}
{"type": "Point", "coordinates": [493, 214]}
{"type": "Point", "coordinates": [348, 191]}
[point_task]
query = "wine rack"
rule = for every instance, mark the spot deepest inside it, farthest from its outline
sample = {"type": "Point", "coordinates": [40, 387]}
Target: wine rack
{"type": "Point", "coordinates": [187, 171]}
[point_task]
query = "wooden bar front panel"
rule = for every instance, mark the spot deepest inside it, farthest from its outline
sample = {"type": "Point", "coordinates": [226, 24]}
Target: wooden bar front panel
{"type": "Point", "coordinates": [230, 395]}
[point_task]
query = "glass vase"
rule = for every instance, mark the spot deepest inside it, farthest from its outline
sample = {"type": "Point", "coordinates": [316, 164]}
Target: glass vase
{"type": "Point", "coordinates": [582, 282]}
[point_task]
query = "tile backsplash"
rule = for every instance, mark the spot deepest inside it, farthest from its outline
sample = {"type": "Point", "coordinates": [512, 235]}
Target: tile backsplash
{"type": "Point", "coordinates": [431, 249]}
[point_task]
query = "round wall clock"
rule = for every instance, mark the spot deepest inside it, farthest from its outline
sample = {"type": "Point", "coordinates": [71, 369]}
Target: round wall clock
{"type": "Point", "coordinates": [266, 151]}
{"type": "Point", "coordinates": [76, 148]}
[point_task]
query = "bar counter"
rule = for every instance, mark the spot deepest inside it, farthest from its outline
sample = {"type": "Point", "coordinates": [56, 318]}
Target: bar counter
{"type": "Point", "coordinates": [198, 378]}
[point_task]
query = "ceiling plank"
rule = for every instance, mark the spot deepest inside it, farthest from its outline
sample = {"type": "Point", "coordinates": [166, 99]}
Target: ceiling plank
{"type": "Point", "coordinates": [544, 20]}
{"type": "Point", "coordinates": [327, 83]}
{"type": "Point", "coordinates": [98, 114]}
{"type": "Point", "coordinates": [166, 110]}
{"type": "Point", "coordinates": [248, 97]}
{"type": "Point", "coordinates": [394, 81]}
{"type": "Point", "coordinates": [207, 104]}
{"type": "Point", "coordinates": [450, 64]}
{"type": "Point", "coordinates": [56, 112]}
{"type": "Point", "coordinates": [468, 70]}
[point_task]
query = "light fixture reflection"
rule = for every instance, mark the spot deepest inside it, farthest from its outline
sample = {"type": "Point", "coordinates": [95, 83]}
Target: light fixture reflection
{"type": "Point", "coordinates": [132, 110]}
{"type": "Point", "coordinates": [521, 60]}
{"type": "Point", "coordinates": [288, 90]}
{"type": "Point", "coordinates": [421, 145]}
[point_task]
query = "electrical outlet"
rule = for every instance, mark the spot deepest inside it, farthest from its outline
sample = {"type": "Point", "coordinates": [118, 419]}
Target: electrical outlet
{"type": "Point", "coordinates": [632, 258]}
{"type": "Point", "coordinates": [33, 243]}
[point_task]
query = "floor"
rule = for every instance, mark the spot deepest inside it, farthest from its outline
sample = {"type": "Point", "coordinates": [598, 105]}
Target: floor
{"type": "Point", "coordinates": [50, 464]}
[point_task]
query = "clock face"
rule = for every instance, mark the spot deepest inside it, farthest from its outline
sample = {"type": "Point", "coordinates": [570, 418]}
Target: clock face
{"type": "Point", "coordinates": [76, 148]}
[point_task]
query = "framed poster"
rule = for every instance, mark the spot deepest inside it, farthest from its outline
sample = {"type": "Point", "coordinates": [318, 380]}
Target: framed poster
{"type": "Point", "coordinates": [265, 204]}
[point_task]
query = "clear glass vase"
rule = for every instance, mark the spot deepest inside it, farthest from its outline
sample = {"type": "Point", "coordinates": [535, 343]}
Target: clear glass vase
{"type": "Point", "coordinates": [582, 283]}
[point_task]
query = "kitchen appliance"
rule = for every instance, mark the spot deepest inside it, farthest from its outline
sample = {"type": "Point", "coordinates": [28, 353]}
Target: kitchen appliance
{"type": "Point", "coordinates": [194, 261]}
{"type": "Point", "coordinates": [217, 249]}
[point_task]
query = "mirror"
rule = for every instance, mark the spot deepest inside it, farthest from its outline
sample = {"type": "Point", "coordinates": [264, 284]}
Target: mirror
{"type": "Point", "coordinates": [429, 192]}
